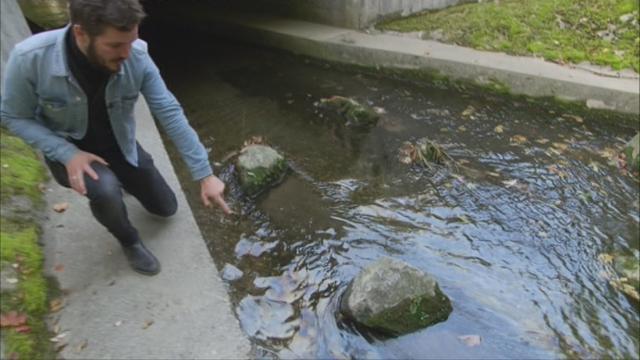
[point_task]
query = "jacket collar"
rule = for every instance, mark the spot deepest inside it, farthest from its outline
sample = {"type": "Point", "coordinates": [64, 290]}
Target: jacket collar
{"type": "Point", "coordinates": [60, 65]}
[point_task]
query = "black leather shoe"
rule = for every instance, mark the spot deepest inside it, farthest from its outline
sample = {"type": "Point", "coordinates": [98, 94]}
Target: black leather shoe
{"type": "Point", "coordinates": [141, 259]}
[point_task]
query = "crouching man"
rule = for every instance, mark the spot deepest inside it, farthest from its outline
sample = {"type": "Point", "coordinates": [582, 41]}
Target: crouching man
{"type": "Point", "coordinates": [71, 94]}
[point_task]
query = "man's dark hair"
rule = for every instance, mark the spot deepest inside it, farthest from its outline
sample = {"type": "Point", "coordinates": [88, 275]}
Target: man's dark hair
{"type": "Point", "coordinates": [95, 15]}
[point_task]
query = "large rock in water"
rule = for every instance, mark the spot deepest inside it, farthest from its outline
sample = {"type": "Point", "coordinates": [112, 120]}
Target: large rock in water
{"type": "Point", "coordinates": [260, 167]}
{"type": "Point", "coordinates": [355, 114]}
{"type": "Point", "coordinates": [395, 298]}
{"type": "Point", "coordinates": [632, 153]}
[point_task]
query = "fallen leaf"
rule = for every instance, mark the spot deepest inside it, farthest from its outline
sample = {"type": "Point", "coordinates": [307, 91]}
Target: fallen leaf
{"type": "Point", "coordinates": [118, 323]}
{"type": "Point", "coordinates": [518, 139]}
{"type": "Point", "coordinates": [605, 258]}
{"type": "Point", "coordinates": [470, 340]}
{"type": "Point", "coordinates": [499, 129]}
{"type": "Point", "coordinates": [12, 319]}
{"type": "Point", "coordinates": [58, 268]}
{"type": "Point", "coordinates": [60, 207]}
{"type": "Point", "coordinates": [462, 129]}
{"type": "Point", "coordinates": [23, 329]}
{"type": "Point", "coordinates": [42, 187]}
{"type": "Point", "coordinates": [593, 165]}
{"type": "Point", "coordinates": [147, 324]}
{"type": "Point", "coordinates": [56, 329]}
{"type": "Point", "coordinates": [494, 174]}
{"type": "Point", "coordinates": [82, 345]}
{"type": "Point", "coordinates": [58, 338]}
{"type": "Point", "coordinates": [555, 170]}
{"type": "Point", "coordinates": [560, 146]}
{"type": "Point", "coordinates": [542, 141]}
{"type": "Point", "coordinates": [56, 305]}
{"type": "Point", "coordinates": [608, 153]}
{"type": "Point", "coordinates": [575, 118]}
{"type": "Point", "coordinates": [468, 111]}
{"type": "Point", "coordinates": [379, 110]}
{"type": "Point", "coordinates": [510, 183]}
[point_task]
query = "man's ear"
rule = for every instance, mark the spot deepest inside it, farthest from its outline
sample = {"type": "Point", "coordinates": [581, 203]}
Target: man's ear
{"type": "Point", "coordinates": [82, 37]}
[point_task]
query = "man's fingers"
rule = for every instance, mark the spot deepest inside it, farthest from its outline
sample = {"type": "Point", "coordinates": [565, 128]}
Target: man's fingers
{"type": "Point", "coordinates": [220, 201]}
{"type": "Point", "coordinates": [77, 183]}
{"type": "Point", "coordinates": [99, 159]}
{"type": "Point", "coordinates": [89, 170]}
{"type": "Point", "coordinates": [205, 200]}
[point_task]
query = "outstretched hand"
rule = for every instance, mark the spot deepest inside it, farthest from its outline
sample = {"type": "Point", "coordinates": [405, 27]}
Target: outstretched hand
{"type": "Point", "coordinates": [212, 190]}
{"type": "Point", "coordinates": [80, 164]}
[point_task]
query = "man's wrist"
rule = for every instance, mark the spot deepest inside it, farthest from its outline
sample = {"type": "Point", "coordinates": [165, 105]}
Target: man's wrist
{"type": "Point", "coordinates": [206, 178]}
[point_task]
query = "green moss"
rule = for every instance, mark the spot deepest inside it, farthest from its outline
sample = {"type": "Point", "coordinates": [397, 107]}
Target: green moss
{"type": "Point", "coordinates": [412, 315]}
{"type": "Point", "coordinates": [19, 244]}
{"type": "Point", "coordinates": [21, 174]}
{"type": "Point", "coordinates": [558, 30]}
{"type": "Point", "coordinates": [259, 179]}
{"type": "Point", "coordinates": [22, 171]}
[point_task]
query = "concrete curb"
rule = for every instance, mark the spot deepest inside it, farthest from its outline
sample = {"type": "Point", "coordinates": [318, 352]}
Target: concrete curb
{"type": "Point", "coordinates": [183, 312]}
{"type": "Point", "coordinates": [520, 75]}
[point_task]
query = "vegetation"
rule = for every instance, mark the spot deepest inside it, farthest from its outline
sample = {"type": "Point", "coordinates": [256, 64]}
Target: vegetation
{"type": "Point", "coordinates": [23, 309]}
{"type": "Point", "coordinates": [602, 32]}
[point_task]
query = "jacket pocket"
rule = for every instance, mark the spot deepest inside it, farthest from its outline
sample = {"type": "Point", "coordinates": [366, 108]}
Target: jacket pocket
{"type": "Point", "coordinates": [128, 106]}
{"type": "Point", "coordinates": [55, 113]}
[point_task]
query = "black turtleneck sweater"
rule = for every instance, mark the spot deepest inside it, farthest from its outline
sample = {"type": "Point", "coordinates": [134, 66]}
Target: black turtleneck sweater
{"type": "Point", "coordinates": [99, 138]}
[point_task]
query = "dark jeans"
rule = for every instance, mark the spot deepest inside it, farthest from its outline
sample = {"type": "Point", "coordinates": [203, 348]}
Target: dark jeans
{"type": "Point", "coordinates": [105, 195]}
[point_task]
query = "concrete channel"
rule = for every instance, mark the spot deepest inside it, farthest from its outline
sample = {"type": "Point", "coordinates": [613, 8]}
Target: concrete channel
{"type": "Point", "coordinates": [518, 75]}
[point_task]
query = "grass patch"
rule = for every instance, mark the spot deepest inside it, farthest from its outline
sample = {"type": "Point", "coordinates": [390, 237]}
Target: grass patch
{"type": "Point", "coordinates": [21, 174]}
{"type": "Point", "coordinates": [603, 32]}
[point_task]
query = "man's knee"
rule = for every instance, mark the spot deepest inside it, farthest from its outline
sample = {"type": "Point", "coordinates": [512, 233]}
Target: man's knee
{"type": "Point", "coordinates": [168, 207]}
{"type": "Point", "coordinates": [106, 188]}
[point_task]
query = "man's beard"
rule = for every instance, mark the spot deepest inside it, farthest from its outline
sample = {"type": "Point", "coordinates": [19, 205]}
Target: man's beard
{"type": "Point", "coordinates": [98, 62]}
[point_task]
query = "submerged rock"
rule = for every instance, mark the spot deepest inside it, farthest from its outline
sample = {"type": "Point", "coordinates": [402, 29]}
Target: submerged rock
{"type": "Point", "coordinates": [231, 273]}
{"type": "Point", "coordinates": [632, 154]}
{"type": "Point", "coordinates": [395, 298]}
{"type": "Point", "coordinates": [628, 268]}
{"type": "Point", "coordinates": [355, 114]}
{"type": "Point", "coordinates": [423, 152]}
{"type": "Point", "coordinates": [260, 167]}
{"type": "Point", "coordinates": [48, 14]}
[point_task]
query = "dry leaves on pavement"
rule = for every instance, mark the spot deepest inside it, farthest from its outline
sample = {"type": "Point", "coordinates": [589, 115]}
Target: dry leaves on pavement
{"type": "Point", "coordinates": [60, 207]}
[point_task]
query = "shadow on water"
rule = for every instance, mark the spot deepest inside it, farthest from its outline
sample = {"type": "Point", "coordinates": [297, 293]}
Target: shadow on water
{"type": "Point", "coordinates": [513, 236]}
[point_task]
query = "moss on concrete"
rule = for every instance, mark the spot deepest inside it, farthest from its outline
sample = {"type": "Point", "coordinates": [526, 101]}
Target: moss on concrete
{"type": "Point", "coordinates": [603, 32]}
{"type": "Point", "coordinates": [22, 172]}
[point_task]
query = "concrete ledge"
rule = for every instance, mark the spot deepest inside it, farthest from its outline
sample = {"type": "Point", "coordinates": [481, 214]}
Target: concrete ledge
{"type": "Point", "coordinates": [182, 313]}
{"type": "Point", "coordinates": [520, 75]}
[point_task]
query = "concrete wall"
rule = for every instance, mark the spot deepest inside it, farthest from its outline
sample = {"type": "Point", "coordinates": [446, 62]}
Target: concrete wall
{"type": "Point", "coordinates": [353, 14]}
{"type": "Point", "coordinates": [13, 29]}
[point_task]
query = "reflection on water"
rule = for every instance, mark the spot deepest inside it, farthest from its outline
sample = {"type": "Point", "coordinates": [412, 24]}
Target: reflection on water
{"type": "Point", "coordinates": [513, 235]}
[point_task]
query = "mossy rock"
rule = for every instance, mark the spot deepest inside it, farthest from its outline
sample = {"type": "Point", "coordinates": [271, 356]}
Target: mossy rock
{"type": "Point", "coordinates": [395, 298]}
{"type": "Point", "coordinates": [632, 153]}
{"type": "Point", "coordinates": [627, 266]}
{"type": "Point", "coordinates": [260, 167]}
{"type": "Point", "coordinates": [355, 114]}
{"type": "Point", "coordinates": [48, 14]}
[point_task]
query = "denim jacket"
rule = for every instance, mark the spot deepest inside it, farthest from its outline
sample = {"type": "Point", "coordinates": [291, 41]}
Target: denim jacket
{"type": "Point", "coordinates": [43, 103]}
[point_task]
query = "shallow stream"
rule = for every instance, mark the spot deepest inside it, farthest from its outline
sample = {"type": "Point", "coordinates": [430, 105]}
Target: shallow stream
{"type": "Point", "coordinates": [514, 234]}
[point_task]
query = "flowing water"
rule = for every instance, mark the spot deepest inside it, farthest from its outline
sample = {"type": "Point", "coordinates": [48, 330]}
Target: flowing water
{"type": "Point", "coordinates": [513, 235]}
